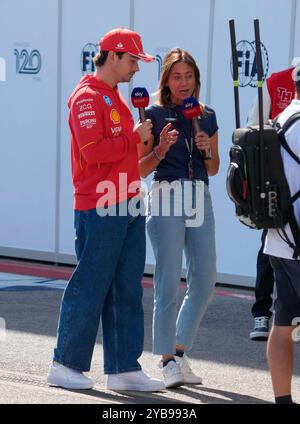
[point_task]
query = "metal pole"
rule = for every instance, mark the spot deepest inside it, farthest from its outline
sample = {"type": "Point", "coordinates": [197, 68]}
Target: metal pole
{"type": "Point", "coordinates": [260, 107]}
{"type": "Point", "coordinates": [235, 73]}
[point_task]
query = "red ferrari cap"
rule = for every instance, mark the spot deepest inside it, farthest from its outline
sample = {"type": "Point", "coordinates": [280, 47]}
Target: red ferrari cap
{"type": "Point", "coordinates": [124, 40]}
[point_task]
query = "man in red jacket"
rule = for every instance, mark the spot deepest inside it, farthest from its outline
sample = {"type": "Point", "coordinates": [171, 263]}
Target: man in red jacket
{"type": "Point", "coordinates": [110, 242]}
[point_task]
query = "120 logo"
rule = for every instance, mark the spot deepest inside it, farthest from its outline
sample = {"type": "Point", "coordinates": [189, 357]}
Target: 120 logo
{"type": "Point", "coordinates": [28, 62]}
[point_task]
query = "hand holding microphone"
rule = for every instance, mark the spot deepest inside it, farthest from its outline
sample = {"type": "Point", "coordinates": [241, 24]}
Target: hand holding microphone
{"type": "Point", "coordinates": [144, 129]}
{"type": "Point", "coordinates": [140, 100]}
{"type": "Point", "coordinates": [191, 110]}
{"type": "Point", "coordinates": [202, 141]}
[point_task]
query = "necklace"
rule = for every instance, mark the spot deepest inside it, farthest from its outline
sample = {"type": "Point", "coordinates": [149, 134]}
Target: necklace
{"type": "Point", "coordinates": [190, 162]}
{"type": "Point", "coordinates": [189, 146]}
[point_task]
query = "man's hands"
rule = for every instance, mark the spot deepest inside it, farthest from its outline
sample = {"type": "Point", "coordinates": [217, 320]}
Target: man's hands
{"type": "Point", "coordinates": [144, 129]}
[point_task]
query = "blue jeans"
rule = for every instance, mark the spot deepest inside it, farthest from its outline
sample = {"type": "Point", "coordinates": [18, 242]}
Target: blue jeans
{"type": "Point", "coordinates": [169, 238]}
{"type": "Point", "coordinates": [106, 283]}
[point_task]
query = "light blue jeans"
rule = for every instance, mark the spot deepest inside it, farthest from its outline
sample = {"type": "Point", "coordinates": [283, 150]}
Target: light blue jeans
{"type": "Point", "coordinates": [169, 237]}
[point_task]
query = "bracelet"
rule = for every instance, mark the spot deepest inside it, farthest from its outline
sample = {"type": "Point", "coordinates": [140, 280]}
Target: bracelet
{"type": "Point", "coordinates": [156, 155]}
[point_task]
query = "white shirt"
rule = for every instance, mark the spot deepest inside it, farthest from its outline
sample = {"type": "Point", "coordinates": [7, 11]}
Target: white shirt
{"type": "Point", "coordinates": [274, 245]}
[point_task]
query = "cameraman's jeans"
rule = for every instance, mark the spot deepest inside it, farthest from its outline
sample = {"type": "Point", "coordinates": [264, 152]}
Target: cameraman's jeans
{"type": "Point", "coordinates": [106, 283]}
{"type": "Point", "coordinates": [169, 237]}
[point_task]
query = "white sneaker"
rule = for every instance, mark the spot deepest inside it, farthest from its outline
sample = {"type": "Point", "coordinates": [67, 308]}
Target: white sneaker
{"type": "Point", "coordinates": [68, 378]}
{"type": "Point", "coordinates": [188, 376]}
{"type": "Point", "coordinates": [173, 376]}
{"type": "Point", "coordinates": [134, 381]}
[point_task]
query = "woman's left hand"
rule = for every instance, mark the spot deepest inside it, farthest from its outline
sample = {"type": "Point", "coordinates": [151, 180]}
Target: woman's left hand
{"type": "Point", "coordinates": [202, 141]}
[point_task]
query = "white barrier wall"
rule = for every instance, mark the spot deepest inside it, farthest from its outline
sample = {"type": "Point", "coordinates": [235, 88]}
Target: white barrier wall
{"type": "Point", "coordinates": [48, 45]}
{"type": "Point", "coordinates": [28, 127]}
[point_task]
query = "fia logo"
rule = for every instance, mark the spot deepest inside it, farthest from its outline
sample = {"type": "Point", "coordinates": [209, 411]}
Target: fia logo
{"type": "Point", "coordinates": [2, 69]}
{"type": "Point", "coordinates": [28, 62]}
{"type": "Point", "coordinates": [246, 53]}
{"type": "Point", "coordinates": [86, 59]}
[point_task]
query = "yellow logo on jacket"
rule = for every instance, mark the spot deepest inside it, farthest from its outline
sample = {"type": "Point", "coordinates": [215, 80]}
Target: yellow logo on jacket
{"type": "Point", "coordinates": [115, 116]}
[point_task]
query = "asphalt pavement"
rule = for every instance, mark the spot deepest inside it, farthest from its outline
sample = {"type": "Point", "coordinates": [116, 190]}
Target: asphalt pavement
{"type": "Point", "coordinates": [233, 368]}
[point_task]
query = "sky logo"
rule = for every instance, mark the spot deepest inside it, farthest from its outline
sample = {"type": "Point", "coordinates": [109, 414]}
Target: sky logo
{"type": "Point", "coordinates": [2, 69]}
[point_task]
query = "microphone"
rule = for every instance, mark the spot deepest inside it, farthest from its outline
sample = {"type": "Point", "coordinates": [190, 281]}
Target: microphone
{"type": "Point", "coordinates": [140, 100]}
{"type": "Point", "coordinates": [191, 110]}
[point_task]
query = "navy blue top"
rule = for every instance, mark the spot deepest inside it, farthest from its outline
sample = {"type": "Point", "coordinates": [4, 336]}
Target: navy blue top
{"type": "Point", "coordinates": [175, 164]}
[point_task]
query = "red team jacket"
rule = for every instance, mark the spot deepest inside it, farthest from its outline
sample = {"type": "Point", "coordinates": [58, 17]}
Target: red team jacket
{"type": "Point", "coordinates": [281, 89]}
{"type": "Point", "coordinates": [103, 145]}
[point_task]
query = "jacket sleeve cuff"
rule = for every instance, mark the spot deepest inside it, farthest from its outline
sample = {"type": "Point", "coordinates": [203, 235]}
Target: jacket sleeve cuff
{"type": "Point", "coordinates": [135, 138]}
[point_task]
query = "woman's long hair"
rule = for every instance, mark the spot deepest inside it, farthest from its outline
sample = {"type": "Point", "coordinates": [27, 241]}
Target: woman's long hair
{"type": "Point", "coordinates": [174, 56]}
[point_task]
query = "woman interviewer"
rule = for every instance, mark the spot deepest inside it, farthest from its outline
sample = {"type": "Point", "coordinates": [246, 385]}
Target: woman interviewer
{"type": "Point", "coordinates": [175, 153]}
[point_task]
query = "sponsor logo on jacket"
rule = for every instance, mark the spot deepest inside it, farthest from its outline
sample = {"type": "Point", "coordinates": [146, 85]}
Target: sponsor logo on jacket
{"type": "Point", "coordinates": [284, 97]}
{"type": "Point", "coordinates": [116, 131]}
{"type": "Point", "coordinates": [88, 123]}
{"type": "Point", "coordinates": [115, 116]}
{"type": "Point", "coordinates": [107, 100]}
{"type": "Point", "coordinates": [89, 113]}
